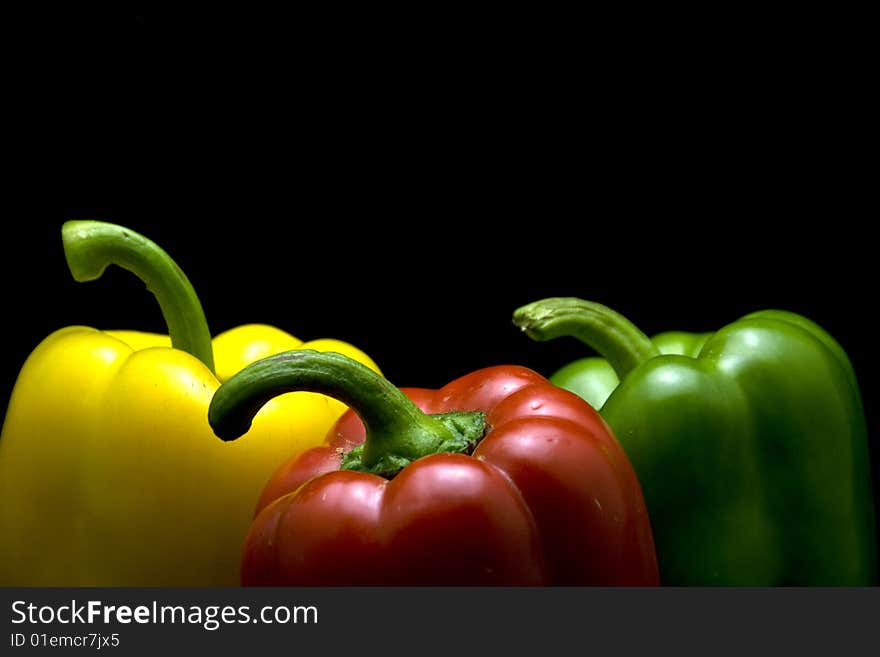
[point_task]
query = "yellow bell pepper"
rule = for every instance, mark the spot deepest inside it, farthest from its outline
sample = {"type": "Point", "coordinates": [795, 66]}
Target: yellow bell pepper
{"type": "Point", "coordinates": [109, 472]}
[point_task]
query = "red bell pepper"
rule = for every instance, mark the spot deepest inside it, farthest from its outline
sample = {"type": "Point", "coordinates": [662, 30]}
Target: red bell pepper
{"type": "Point", "coordinates": [497, 478]}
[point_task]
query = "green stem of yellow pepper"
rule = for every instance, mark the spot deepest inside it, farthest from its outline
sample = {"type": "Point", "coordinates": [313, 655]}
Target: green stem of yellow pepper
{"type": "Point", "coordinates": [608, 332]}
{"type": "Point", "coordinates": [90, 246]}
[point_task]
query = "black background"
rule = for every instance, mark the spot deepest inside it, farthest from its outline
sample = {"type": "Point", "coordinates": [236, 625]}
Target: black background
{"type": "Point", "coordinates": [405, 182]}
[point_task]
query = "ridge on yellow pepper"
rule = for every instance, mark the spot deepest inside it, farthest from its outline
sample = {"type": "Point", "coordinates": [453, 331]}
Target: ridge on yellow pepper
{"type": "Point", "coordinates": [109, 472]}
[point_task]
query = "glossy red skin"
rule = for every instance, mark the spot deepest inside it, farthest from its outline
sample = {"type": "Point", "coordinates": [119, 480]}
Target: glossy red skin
{"type": "Point", "coordinates": [547, 498]}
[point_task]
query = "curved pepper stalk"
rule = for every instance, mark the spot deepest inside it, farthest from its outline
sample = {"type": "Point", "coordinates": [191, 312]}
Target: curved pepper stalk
{"type": "Point", "coordinates": [91, 246]}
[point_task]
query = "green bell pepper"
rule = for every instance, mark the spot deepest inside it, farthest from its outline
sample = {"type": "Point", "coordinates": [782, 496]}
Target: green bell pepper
{"type": "Point", "coordinates": [750, 443]}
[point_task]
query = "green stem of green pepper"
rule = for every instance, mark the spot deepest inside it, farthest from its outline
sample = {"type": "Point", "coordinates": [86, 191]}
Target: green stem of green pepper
{"type": "Point", "coordinates": [608, 332]}
{"type": "Point", "coordinates": [397, 431]}
{"type": "Point", "coordinates": [90, 246]}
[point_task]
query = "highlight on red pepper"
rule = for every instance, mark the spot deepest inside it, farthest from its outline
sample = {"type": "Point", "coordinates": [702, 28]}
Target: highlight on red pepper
{"type": "Point", "coordinates": [498, 478]}
{"type": "Point", "coordinates": [109, 472]}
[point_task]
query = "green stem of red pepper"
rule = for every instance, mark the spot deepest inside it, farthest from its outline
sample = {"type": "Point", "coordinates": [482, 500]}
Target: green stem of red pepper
{"type": "Point", "coordinates": [397, 431]}
{"type": "Point", "coordinates": [90, 246]}
{"type": "Point", "coordinates": [608, 332]}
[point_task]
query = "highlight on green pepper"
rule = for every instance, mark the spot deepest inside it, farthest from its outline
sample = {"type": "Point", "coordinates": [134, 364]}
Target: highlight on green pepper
{"type": "Point", "coordinates": [109, 472]}
{"type": "Point", "coordinates": [750, 443]}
